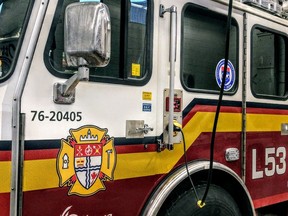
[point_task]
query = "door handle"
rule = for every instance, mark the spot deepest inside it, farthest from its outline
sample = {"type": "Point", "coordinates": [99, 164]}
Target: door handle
{"type": "Point", "coordinates": [146, 129]}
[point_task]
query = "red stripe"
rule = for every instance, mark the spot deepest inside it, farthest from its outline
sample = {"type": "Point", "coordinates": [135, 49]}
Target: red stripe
{"type": "Point", "coordinates": [258, 203]}
{"type": "Point", "coordinates": [126, 149]}
{"type": "Point", "coordinates": [52, 153]}
{"type": "Point", "coordinates": [40, 154]}
{"type": "Point", "coordinates": [209, 108]}
{"type": "Point", "coordinates": [5, 156]}
{"type": "Point", "coordinates": [266, 111]}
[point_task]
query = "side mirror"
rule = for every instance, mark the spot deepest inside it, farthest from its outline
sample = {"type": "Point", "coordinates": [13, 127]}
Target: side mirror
{"type": "Point", "coordinates": [87, 34]}
{"type": "Point", "coordinates": [87, 43]}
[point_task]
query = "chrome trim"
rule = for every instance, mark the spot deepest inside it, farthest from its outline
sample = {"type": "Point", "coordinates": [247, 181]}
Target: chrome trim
{"type": "Point", "coordinates": [244, 100]}
{"type": "Point", "coordinates": [172, 57]}
{"type": "Point", "coordinates": [164, 190]}
{"type": "Point", "coordinates": [33, 31]}
{"type": "Point", "coordinates": [173, 43]}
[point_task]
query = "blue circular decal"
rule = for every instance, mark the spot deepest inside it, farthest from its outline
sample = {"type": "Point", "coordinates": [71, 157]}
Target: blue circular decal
{"type": "Point", "coordinates": [230, 75]}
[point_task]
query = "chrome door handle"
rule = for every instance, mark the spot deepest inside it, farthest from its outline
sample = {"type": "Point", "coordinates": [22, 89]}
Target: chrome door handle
{"type": "Point", "coordinates": [145, 129]}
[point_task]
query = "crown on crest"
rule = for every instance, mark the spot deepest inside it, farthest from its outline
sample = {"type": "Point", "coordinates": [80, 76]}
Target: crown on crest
{"type": "Point", "coordinates": [89, 137]}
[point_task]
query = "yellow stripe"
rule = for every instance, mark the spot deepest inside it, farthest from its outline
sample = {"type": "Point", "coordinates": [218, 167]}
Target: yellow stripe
{"type": "Point", "coordinates": [5, 172]}
{"type": "Point", "coordinates": [265, 122]}
{"type": "Point", "coordinates": [39, 174]}
{"type": "Point", "coordinates": [42, 174]}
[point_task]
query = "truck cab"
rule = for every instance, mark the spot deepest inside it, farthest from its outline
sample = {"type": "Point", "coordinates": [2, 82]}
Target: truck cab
{"type": "Point", "coordinates": [107, 107]}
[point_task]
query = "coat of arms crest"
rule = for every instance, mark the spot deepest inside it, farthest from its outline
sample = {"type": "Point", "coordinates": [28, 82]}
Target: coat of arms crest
{"type": "Point", "coordinates": [86, 160]}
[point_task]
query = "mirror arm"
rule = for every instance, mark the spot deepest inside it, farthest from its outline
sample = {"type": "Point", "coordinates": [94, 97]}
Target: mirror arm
{"type": "Point", "coordinates": [64, 93]}
{"type": "Point", "coordinates": [70, 85]}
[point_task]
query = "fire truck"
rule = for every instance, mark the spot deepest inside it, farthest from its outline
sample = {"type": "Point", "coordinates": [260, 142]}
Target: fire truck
{"type": "Point", "coordinates": [143, 107]}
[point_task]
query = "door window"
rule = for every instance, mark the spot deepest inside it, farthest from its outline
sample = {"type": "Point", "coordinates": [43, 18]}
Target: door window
{"type": "Point", "coordinates": [203, 48]}
{"type": "Point", "coordinates": [268, 76]}
{"type": "Point", "coordinates": [131, 47]}
{"type": "Point", "coordinates": [12, 16]}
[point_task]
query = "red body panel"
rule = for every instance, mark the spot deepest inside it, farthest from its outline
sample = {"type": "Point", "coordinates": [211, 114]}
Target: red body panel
{"type": "Point", "coordinates": [128, 196]}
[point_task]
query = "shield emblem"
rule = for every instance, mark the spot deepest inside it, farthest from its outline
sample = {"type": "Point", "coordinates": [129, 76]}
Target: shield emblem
{"type": "Point", "coordinates": [86, 159]}
{"type": "Point", "coordinates": [87, 163]}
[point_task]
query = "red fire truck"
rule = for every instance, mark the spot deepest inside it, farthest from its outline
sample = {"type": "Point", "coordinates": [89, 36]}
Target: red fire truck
{"type": "Point", "coordinates": [143, 107]}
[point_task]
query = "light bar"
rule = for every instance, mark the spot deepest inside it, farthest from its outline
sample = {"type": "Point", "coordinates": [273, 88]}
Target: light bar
{"type": "Point", "coordinates": [272, 6]}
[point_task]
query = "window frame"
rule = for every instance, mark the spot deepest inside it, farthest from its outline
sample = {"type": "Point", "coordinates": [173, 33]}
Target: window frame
{"type": "Point", "coordinates": [123, 72]}
{"type": "Point", "coordinates": [19, 42]}
{"type": "Point", "coordinates": [236, 67]}
{"type": "Point", "coordinates": [285, 36]}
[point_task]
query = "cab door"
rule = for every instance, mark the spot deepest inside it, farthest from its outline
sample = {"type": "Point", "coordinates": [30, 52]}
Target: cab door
{"type": "Point", "coordinates": [81, 148]}
{"type": "Point", "coordinates": [266, 109]}
{"type": "Point", "coordinates": [201, 61]}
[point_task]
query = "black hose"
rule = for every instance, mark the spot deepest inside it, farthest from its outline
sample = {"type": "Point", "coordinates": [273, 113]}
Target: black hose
{"type": "Point", "coordinates": [227, 46]}
{"type": "Point", "coordinates": [186, 166]}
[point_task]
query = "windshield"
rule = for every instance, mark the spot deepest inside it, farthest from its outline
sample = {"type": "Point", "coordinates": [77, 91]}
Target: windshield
{"type": "Point", "coordinates": [12, 14]}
